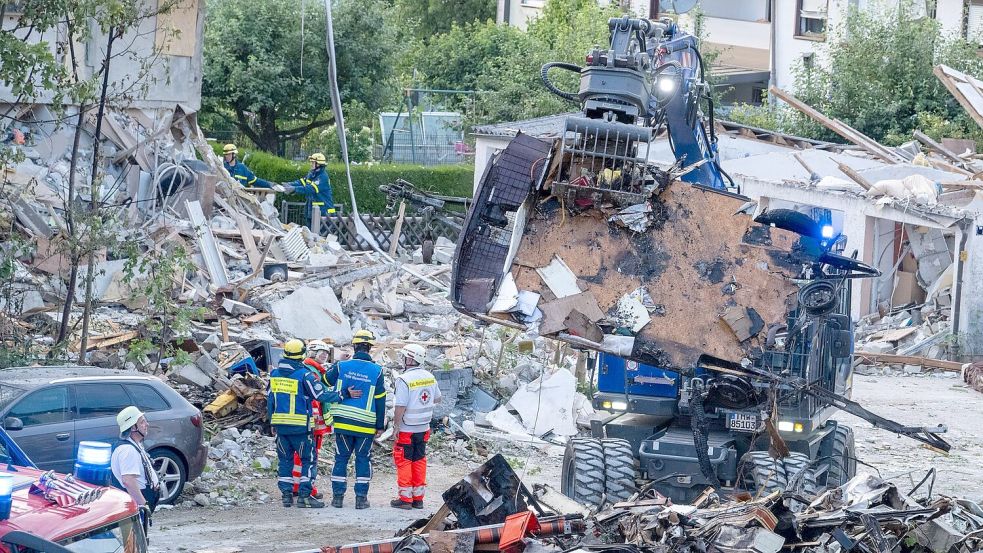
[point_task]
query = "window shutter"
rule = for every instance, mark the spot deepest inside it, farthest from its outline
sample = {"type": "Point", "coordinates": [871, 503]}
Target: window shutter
{"type": "Point", "coordinates": [974, 26]}
{"type": "Point", "coordinates": [814, 8]}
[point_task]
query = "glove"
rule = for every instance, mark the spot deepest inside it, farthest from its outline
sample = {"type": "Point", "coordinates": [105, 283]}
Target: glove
{"type": "Point", "coordinates": [287, 188]}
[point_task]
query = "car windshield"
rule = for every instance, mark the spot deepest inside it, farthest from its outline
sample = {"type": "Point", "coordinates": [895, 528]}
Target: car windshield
{"type": "Point", "coordinates": [9, 393]}
{"type": "Point", "coordinates": [125, 536]}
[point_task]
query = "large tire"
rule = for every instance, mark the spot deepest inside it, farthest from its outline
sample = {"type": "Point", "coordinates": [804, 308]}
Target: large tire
{"type": "Point", "coordinates": [797, 464]}
{"type": "Point", "coordinates": [171, 472]}
{"type": "Point", "coordinates": [620, 469]}
{"type": "Point", "coordinates": [582, 478]}
{"type": "Point", "coordinates": [762, 475]}
{"type": "Point", "coordinates": [843, 457]}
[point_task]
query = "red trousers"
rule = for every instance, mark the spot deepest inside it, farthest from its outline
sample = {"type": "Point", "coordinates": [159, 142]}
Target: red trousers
{"type": "Point", "coordinates": [318, 441]}
{"type": "Point", "coordinates": [410, 455]}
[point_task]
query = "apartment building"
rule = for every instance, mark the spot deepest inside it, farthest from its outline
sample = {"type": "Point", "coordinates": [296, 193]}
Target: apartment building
{"type": "Point", "coordinates": [763, 42]}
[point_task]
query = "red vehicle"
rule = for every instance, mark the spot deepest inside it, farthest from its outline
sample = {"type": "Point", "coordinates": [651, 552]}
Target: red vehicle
{"type": "Point", "coordinates": [91, 519]}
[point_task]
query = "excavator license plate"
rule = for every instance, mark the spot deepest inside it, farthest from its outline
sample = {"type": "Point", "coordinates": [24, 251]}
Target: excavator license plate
{"type": "Point", "coordinates": [740, 422]}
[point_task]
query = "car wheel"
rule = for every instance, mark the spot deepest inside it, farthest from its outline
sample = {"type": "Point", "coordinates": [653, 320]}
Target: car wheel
{"type": "Point", "coordinates": [171, 472]}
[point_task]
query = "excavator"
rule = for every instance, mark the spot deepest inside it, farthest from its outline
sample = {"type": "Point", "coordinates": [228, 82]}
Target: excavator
{"type": "Point", "coordinates": [721, 324]}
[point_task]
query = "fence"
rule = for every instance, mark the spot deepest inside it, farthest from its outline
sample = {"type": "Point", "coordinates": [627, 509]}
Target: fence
{"type": "Point", "coordinates": [415, 231]}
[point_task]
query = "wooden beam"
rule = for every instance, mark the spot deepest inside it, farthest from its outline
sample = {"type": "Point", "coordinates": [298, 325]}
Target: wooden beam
{"type": "Point", "coordinates": [837, 126]}
{"type": "Point", "coordinates": [398, 230]}
{"type": "Point", "coordinates": [909, 360]}
{"type": "Point", "coordinates": [933, 145]}
{"type": "Point", "coordinates": [855, 176]}
{"type": "Point", "coordinates": [949, 82]}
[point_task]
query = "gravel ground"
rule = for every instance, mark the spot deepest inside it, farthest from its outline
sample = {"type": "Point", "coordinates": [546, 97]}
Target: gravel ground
{"type": "Point", "coordinates": [914, 400]}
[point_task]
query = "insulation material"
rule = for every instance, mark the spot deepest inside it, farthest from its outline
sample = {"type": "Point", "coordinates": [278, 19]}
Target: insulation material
{"type": "Point", "coordinates": [548, 403]}
{"type": "Point", "coordinates": [913, 187]}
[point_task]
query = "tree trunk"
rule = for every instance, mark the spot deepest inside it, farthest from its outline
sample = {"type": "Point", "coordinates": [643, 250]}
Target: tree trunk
{"type": "Point", "coordinates": [269, 140]}
{"type": "Point", "coordinates": [74, 258]}
{"type": "Point", "coordinates": [95, 207]}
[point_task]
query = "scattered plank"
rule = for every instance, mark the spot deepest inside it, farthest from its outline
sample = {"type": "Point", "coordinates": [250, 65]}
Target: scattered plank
{"type": "Point", "coordinates": [258, 317]}
{"type": "Point", "coordinates": [224, 325]}
{"type": "Point", "coordinates": [855, 176]}
{"type": "Point", "coordinates": [837, 126]}
{"type": "Point", "coordinates": [909, 360]}
{"type": "Point", "coordinates": [965, 89]}
{"type": "Point", "coordinates": [398, 230]}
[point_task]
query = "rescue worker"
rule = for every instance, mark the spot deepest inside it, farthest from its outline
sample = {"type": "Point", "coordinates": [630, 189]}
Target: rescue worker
{"type": "Point", "coordinates": [356, 420]}
{"type": "Point", "coordinates": [239, 171]}
{"type": "Point", "coordinates": [416, 395]}
{"type": "Point", "coordinates": [316, 187]}
{"type": "Point", "coordinates": [320, 355]}
{"type": "Point", "coordinates": [292, 389]}
{"type": "Point", "coordinates": [133, 471]}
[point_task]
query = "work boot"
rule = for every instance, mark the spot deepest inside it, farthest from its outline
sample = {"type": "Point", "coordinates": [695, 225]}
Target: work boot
{"type": "Point", "coordinates": [400, 504]}
{"type": "Point", "coordinates": [317, 494]}
{"type": "Point", "coordinates": [288, 500]}
{"type": "Point", "coordinates": [417, 503]}
{"type": "Point", "coordinates": [338, 501]}
{"type": "Point", "coordinates": [309, 503]}
{"type": "Point", "coordinates": [361, 502]}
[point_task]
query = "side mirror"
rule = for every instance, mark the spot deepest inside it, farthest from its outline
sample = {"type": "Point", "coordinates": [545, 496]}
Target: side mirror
{"type": "Point", "coordinates": [13, 423]}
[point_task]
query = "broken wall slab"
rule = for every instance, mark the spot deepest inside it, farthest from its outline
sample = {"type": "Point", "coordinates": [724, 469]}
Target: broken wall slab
{"type": "Point", "coordinates": [312, 313]}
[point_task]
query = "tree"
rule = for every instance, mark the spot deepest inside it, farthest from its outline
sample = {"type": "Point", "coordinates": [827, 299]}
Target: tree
{"type": "Point", "coordinates": [877, 77]}
{"type": "Point", "coordinates": [34, 74]}
{"type": "Point", "coordinates": [266, 64]}
{"type": "Point", "coordinates": [502, 63]}
{"type": "Point", "coordinates": [427, 18]}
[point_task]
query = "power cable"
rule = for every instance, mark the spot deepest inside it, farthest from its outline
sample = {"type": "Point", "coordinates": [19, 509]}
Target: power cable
{"type": "Point", "coordinates": [360, 227]}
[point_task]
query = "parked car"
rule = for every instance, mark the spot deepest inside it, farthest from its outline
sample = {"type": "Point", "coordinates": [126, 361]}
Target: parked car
{"type": "Point", "coordinates": [49, 410]}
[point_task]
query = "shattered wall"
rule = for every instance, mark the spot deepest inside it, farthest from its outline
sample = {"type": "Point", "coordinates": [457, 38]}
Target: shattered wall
{"type": "Point", "coordinates": [171, 43]}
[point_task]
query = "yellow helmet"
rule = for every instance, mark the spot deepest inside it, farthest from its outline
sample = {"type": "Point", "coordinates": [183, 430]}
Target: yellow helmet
{"type": "Point", "coordinates": [364, 337]}
{"type": "Point", "coordinates": [318, 158]}
{"type": "Point", "coordinates": [294, 349]}
{"type": "Point", "coordinates": [230, 149]}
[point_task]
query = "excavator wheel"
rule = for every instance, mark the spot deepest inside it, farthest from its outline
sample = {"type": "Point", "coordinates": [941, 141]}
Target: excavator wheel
{"type": "Point", "coordinates": [583, 472]}
{"type": "Point", "coordinates": [760, 474]}
{"type": "Point", "coordinates": [620, 469]}
{"type": "Point", "coordinates": [843, 457]}
{"type": "Point", "coordinates": [797, 464]}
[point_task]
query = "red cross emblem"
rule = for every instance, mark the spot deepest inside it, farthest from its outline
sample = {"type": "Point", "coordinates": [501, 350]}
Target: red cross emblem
{"type": "Point", "coordinates": [424, 397]}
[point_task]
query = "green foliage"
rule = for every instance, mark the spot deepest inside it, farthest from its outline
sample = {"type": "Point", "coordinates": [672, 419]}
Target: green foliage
{"type": "Point", "coordinates": [447, 180]}
{"type": "Point", "coordinates": [426, 18]}
{"type": "Point", "coordinates": [503, 63]}
{"type": "Point", "coordinates": [879, 79]}
{"type": "Point", "coordinates": [253, 74]}
{"type": "Point", "coordinates": [326, 141]}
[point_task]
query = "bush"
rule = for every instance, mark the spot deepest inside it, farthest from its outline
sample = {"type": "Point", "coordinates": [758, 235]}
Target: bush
{"type": "Point", "coordinates": [445, 180]}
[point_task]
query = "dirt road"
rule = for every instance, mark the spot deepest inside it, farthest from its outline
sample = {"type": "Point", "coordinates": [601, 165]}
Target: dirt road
{"type": "Point", "coordinates": [907, 399]}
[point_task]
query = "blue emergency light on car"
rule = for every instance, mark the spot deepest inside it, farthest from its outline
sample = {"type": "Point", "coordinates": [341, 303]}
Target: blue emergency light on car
{"type": "Point", "coordinates": [92, 463]}
{"type": "Point", "coordinates": [6, 490]}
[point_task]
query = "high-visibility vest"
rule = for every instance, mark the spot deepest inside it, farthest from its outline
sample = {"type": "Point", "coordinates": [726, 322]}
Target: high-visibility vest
{"type": "Point", "coordinates": [357, 415]}
{"type": "Point", "coordinates": [322, 414]}
{"type": "Point", "coordinates": [422, 393]}
{"type": "Point", "coordinates": [290, 404]}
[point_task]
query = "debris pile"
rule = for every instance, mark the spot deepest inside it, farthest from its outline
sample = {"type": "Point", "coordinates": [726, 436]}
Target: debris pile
{"type": "Point", "coordinates": [491, 507]}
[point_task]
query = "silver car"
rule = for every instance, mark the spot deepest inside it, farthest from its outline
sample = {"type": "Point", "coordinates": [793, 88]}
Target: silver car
{"type": "Point", "coordinates": [49, 410]}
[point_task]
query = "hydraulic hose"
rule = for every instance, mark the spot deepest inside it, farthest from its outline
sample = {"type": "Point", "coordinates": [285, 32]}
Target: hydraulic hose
{"type": "Point", "coordinates": [552, 87]}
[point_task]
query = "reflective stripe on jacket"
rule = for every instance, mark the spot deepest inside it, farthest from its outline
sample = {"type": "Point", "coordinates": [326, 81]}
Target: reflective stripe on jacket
{"type": "Point", "coordinates": [357, 416]}
{"type": "Point", "coordinates": [293, 389]}
{"type": "Point", "coordinates": [244, 176]}
{"type": "Point", "coordinates": [316, 187]}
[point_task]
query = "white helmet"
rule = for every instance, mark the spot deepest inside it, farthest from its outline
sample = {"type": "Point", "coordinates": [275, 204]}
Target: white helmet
{"type": "Point", "coordinates": [415, 352]}
{"type": "Point", "coordinates": [315, 346]}
{"type": "Point", "coordinates": [128, 417]}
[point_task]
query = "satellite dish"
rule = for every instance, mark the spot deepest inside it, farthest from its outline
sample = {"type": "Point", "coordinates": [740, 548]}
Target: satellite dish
{"type": "Point", "coordinates": [680, 6]}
